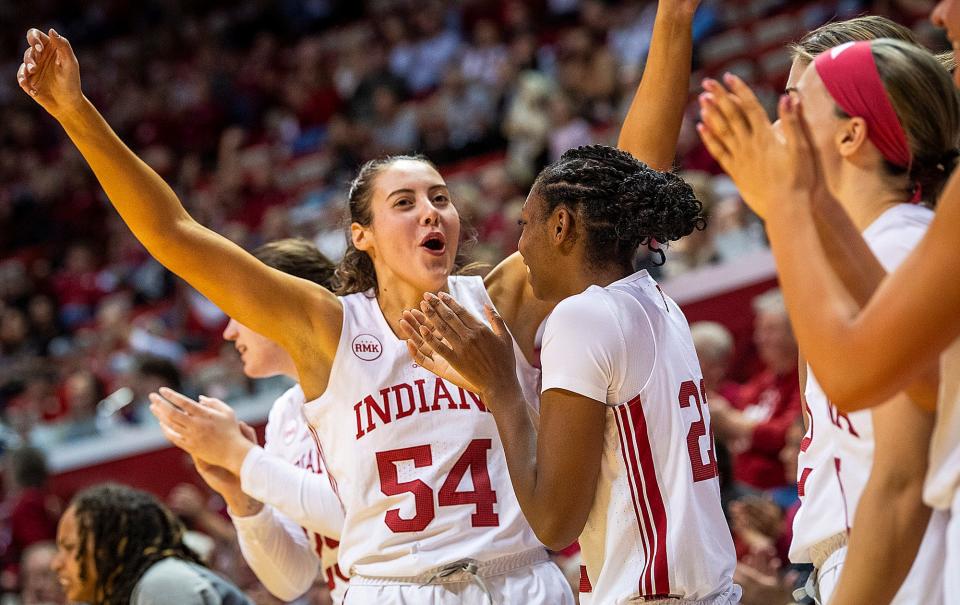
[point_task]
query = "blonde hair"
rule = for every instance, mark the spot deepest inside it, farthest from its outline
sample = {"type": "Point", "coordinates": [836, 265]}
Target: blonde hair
{"type": "Point", "coordinates": [858, 29]}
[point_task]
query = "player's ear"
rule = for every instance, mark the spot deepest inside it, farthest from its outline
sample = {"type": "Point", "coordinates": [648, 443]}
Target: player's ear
{"type": "Point", "coordinates": [361, 237]}
{"type": "Point", "coordinates": [562, 227]}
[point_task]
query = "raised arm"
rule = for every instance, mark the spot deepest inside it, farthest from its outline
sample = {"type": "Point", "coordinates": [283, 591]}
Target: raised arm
{"type": "Point", "coordinates": [289, 310]}
{"type": "Point", "coordinates": [512, 295]}
{"type": "Point", "coordinates": [652, 125]}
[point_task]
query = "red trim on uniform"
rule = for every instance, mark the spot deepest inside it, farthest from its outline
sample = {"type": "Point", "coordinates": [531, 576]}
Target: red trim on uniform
{"type": "Point", "coordinates": [633, 480]}
{"type": "Point", "coordinates": [585, 585]}
{"type": "Point", "coordinates": [326, 467]}
{"type": "Point", "coordinates": [843, 494]}
{"type": "Point", "coordinates": [802, 483]}
{"type": "Point", "coordinates": [661, 575]}
{"type": "Point", "coordinates": [647, 499]}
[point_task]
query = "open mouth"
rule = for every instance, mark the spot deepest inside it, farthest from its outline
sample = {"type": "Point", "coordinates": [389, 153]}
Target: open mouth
{"type": "Point", "coordinates": [434, 242]}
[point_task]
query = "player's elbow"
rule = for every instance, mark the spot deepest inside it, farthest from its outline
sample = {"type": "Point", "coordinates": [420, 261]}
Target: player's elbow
{"type": "Point", "coordinates": [290, 588]}
{"type": "Point", "coordinates": [557, 532]}
{"type": "Point", "coordinates": [848, 391]}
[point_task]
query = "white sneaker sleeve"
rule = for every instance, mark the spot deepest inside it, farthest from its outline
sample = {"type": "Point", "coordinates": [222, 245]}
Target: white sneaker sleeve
{"type": "Point", "coordinates": [300, 494]}
{"type": "Point", "coordinates": [278, 551]}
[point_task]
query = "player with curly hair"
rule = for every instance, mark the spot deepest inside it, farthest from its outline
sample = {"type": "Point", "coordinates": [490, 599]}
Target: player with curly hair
{"type": "Point", "coordinates": [118, 545]}
{"type": "Point", "coordinates": [623, 413]}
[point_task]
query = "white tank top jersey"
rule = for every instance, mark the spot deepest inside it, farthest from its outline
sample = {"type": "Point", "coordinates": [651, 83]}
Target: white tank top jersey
{"type": "Point", "coordinates": [288, 436]}
{"type": "Point", "coordinates": [836, 453]}
{"type": "Point", "coordinates": [416, 460]}
{"type": "Point", "coordinates": [656, 528]}
{"type": "Point", "coordinates": [943, 474]}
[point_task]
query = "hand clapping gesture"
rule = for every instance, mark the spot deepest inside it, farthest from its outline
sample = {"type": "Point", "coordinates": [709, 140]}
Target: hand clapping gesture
{"type": "Point", "coordinates": [770, 166]}
{"type": "Point", "coordinates": [445, 338]}
{"type": "Point", "coordinates": [50, 73]}
{"type": "Point", "coordinates": [207, 430]}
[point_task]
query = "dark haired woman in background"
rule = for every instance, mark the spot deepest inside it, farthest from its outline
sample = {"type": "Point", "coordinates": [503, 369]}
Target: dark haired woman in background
{"type": "Point", "coordinates": [117, 545]}
{"type": "Point", "coordinates": [624, 455]}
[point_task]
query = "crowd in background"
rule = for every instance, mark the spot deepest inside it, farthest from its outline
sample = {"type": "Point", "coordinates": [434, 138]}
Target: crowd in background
{"type": "Point", "coordinates": [258, 114]}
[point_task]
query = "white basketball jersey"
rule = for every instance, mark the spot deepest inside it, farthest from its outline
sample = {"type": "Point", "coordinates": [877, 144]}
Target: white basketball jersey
{"type": "Point", "coordinates": [417, 461]}
{"type": "Point", "coordinates": [836, 454]}
{"type": "Point", "coordinates": [656, 528]}
{"type": "Point", "coordinates": [943, 474]}
{"type": "Point", "coordinates": [288, 436]}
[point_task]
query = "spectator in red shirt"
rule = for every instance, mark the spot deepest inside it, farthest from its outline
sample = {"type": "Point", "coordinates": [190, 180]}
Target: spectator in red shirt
{"type": "Point", "coordinates": [755, 424]}
{"type": "Point", "coordinates": [31, 511]}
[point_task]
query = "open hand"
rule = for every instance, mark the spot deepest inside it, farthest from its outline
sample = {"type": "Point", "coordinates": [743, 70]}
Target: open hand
{"type": "Point", "coordinates": [50, 73]}
{"type": "Point", "coordinates": [451, 335]}
{"type": "Point", "coordinates": [208, 430]}
{"type": "Point", "coordinates": [768, 167]}
{"type": "Point", "coordinates": [425, 356]}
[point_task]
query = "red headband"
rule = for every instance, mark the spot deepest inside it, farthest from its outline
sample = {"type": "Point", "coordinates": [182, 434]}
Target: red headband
{"type": "Point", "coordinates": [850, 74]}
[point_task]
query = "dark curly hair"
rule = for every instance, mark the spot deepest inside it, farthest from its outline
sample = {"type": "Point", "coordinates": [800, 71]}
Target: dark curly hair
{"type": "Point", "coordinates": [622, 202]}
{"type": "Point", "coordinates": [130, 531]}
{"type": "Point", "coordinates": [355, 271]}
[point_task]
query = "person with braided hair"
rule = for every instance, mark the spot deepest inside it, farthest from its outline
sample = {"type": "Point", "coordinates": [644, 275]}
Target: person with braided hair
{"type": "Point", "coordinates": [396, 440]}
{"type": "Point", "coordinates": [623, 410]}
{"type": "Point", "coordinates": [118, 545]}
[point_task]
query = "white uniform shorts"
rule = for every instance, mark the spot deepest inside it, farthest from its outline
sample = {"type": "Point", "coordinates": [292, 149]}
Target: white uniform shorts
{"type": "Point", "coordinates": [730, 596]}
{"type": "Point", "coordinates": [536, 581]}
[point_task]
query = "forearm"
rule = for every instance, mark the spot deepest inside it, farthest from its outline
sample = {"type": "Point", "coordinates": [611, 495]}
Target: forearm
{"type": "Point", "coordinates": [861, 274]}
{"type": "Point", "coordinates": [518, 433]}
{"type": "Point", "coordinates": [278, 552]}
{"type": "Point", "coordinates": [823, 313]}
{"type": "Point", "coordinates": [300, 494]}
{"type": "Point", "coordinates": [652, 125]}
{"type": "Point", "coordinates": [878, 561]}
{"type": "Point", "coordinates": [145, 202]}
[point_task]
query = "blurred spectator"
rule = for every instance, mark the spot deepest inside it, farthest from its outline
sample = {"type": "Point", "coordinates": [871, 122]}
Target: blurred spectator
{"type": "Point", "coordinates": [29, 511]}
{"type": "Point", "coordinates": [394, 126]}
{"type": "Point", "coordinates": [567, 129]}
{"type": "Point", "coordinates": [755, 424]}
{"type": "Point", "coordinates": [39, 585]}
{"type": "Point", "coordinates": [527, 125]}
{"type": "Point", "coordinates": [763, 529]}
{"type": "Point", "coordinates": [714, 345]}
{"type": "Point", "coordinates": [486, 57]}
{"type": "Point", "coordinates": [83, 390]}
{"type": "Point", "coordinates": [149, 375]}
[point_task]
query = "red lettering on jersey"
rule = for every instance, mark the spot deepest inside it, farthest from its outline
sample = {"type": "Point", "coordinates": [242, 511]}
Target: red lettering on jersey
{"type": "Point", "coordinates": [424, 408]}
{"type": "Point", "coordinates": [370, 404]}
{"type": "Point", "coordinates": [476, 400]}
{"type": "Point", "coordinates": [836, 416]}
{"type": "Point", "coordinates": [405, 404]}
{"type": "Point", "coordinates": [440, 391]}
{"type": "Point", "coordinates": [401, 411]}
{"type": "Point", "coordinates": [356, 410]}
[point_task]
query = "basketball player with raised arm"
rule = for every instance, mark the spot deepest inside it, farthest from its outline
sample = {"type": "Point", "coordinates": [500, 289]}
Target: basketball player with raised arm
{"type": "Point", "coordinates": [396, 440]}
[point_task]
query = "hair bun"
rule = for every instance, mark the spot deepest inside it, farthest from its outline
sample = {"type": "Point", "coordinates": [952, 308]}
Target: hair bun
{"type": "Point", "coordinates": [657, 205]}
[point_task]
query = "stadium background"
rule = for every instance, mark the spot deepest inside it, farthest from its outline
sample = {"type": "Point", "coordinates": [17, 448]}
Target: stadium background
{"type": "Point", "coordinates": [258, 113]}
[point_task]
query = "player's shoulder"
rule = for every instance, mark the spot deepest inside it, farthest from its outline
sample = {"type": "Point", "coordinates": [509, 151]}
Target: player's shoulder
{"type": "Point", "coordinates": [291, 401]}
{"type": "Point", "coordinates": [901, 218]}
{"type": "Point", "coordinates": [594, 302]}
